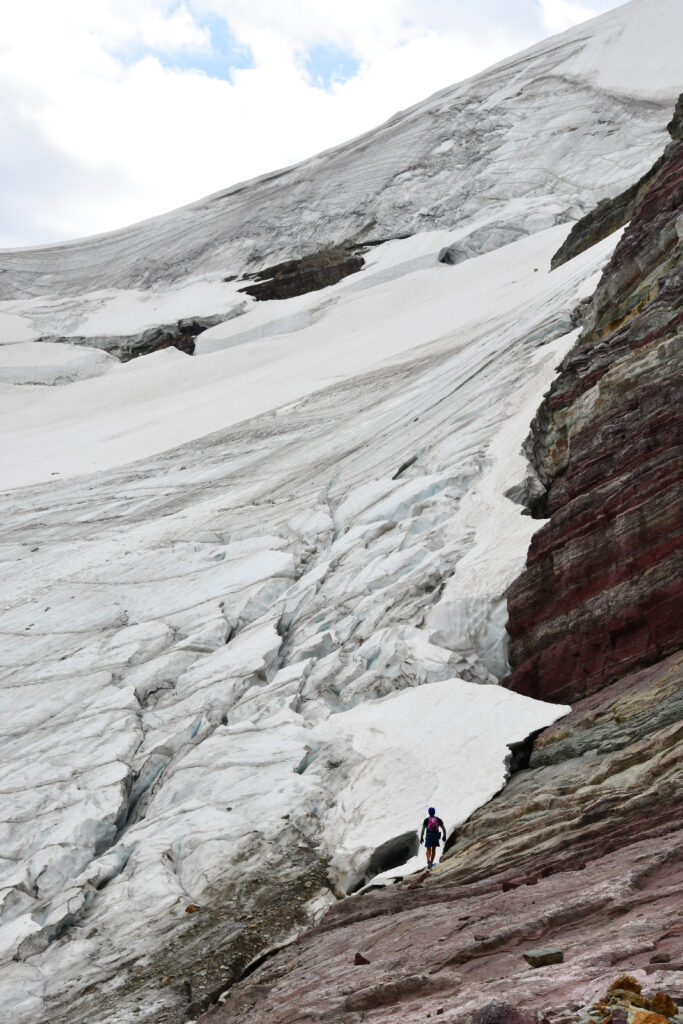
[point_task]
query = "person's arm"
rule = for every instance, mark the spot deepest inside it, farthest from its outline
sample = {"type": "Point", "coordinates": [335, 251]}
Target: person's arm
{"type": "Point", "coordinates": [422, 833]}
{"type": "Point", "coordinates": [443, 829]}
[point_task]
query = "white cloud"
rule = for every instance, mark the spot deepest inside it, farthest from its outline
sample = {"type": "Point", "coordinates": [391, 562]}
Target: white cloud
{"type": "Point", "coordinates": [109, 117]}
{"type": "Point", "coordinates": [559, 15]}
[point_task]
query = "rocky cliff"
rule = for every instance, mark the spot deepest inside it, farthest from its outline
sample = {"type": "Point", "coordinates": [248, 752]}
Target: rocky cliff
{"type": "Point", "coordinates": [601, 592]}
{"type": "Point", "coordinates": [582, 853]}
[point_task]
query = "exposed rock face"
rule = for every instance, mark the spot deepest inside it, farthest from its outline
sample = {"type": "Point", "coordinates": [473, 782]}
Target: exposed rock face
{"type": "Point", "coordinates": [581, 852]}
{"type": "Point", "coordinates": [180, 335]}
{"type": "Point", "coordinates": [601, 592]}
{"type": "Point", "coordinates": [308, 274]}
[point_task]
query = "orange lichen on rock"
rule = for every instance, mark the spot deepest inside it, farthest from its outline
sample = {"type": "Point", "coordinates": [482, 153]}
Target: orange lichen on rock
{"type": "Point", "coordinates": [628, 998]}
{"type": "Point", "coordinates": [626, 982]}
{"type": "Point", "coordinates": [664, 1004]}
{"type": "Point", "coordinates": [645, 1017]}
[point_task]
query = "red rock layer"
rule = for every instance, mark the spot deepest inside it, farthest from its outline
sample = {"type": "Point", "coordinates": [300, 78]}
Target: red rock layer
{"type": "Point", "coordinates": [601, 594]}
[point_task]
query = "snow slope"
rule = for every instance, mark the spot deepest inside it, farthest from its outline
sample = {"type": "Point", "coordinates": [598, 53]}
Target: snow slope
{"type": "Point", "coordinates": [535, 140]}
{"type": "Point", "coordinates": [404, 301]}
{"type": "Point", "coordinates": [237, 588]}
{"type": "Point", "coordinates": [384, 786]}
{"type": "Point", "coordinates": [49, 363]}
{"type": "Point", "coordinates": [177, 632]}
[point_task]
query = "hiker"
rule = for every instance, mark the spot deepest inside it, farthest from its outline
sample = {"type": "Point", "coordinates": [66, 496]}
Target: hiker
{"type": "Point", "coordinates": [431, 826]}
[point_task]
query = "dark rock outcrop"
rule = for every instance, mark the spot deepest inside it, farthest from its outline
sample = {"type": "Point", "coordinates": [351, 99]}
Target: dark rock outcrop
{"type": "Point", "coordinates": [601, 594]}
{"type": "Point", "coordinates": [307, 274]}
{"type": "Point", "coordinates": [543, 957]}
{"type": "Point", "coordinates": [180, 335]}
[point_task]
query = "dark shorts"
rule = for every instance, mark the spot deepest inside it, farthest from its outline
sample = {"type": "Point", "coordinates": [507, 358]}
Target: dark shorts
{"type": "Point", "coordinates": [431, 839]}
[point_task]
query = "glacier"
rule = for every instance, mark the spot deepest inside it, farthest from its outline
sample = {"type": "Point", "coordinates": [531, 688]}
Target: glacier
{"type": "Point", "coordinates": [252, 605]}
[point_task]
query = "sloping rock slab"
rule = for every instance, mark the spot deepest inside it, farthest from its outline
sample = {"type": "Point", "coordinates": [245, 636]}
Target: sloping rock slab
{"type": "Point", "coordinates": [583, 851]}
{"type": "Point", "coordinates": [307, 274]}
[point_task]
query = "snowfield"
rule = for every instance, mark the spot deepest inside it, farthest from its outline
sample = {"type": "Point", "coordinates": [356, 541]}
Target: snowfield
{"type": "Point", "coordinates": [536, 140]}
{"type": "Point", "coordinates": [42, 362]}
{"type": "Point", "coordinates": [252, 602]}
{"type": "Point", "coordinates": [203, 628]}
{"type": "Point", "coordinates": [402, 303]}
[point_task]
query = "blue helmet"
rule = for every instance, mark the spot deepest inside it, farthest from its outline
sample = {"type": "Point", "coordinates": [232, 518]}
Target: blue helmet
{"type": "Point", "coordinates": [431, 810]}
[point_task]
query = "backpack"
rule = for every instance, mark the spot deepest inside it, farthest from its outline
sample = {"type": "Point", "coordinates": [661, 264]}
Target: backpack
{"type": "Point", "coordinates": [432, 823]}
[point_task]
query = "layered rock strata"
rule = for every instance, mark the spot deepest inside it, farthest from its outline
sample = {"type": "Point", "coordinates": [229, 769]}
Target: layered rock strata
{"type": "Point", "coordinates": [307, 274]}
{"type": "Point", "coordinates": [582, 852]}
{"type": "Point", "coordinates": [601, 594]}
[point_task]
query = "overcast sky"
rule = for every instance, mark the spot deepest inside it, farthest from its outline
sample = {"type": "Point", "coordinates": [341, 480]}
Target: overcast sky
{"type": "Point", "coordinates": [115, 110]}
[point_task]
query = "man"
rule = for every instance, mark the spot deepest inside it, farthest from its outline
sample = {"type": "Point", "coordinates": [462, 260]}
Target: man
{"type": "Point", "coordinates": [431, 827]}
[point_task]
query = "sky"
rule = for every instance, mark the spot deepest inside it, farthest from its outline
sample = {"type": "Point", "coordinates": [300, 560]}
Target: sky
{"type": "Point", "coordinates": [112, 111]}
